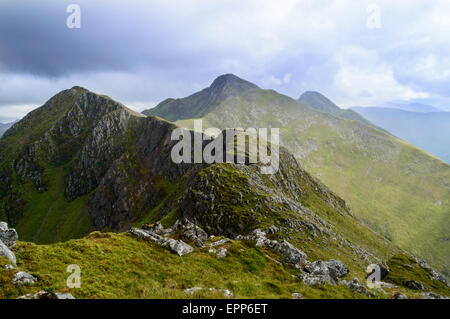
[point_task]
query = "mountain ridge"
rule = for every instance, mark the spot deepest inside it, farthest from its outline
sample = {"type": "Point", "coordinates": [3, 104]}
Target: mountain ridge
{"type": "Point", "coordinates": [361, 163]}
{"type": "Point", "coordinates": [221, 88]}
{"type": "Point", "coordinates": [321, 103]}
{"type": "Point", "coordinates": [92, 164]}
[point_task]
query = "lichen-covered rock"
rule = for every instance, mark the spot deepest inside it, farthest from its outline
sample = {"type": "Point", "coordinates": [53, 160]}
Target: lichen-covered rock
{"type": "Point", "coordinates": [319, 272]}
{"type": "Point", "coordinates": [8, 235]}
{"type": "Point", "coordinates": [291, 254]}
{"type": "Point", "coordinates": [6, 252]}
{"type": "Point", "coordinates": [192, 232]}
{"type": "Point", "coordinates": [177, 246]}
{"type": "Point", "coordinates": [356, 285]}
{"type": "Point", "coordinates": [314, 280]}
{"type": "Point", "coordinates": [333, 268]}
{"type": "Point", "coordinates": [23, 278]}
{"type": "Point", "coordinates": [336, 268]}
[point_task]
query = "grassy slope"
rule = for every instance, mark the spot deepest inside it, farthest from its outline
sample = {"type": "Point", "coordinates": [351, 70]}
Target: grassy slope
{"type": "Point", "coordinates": [121, 266]}
{"type": "Point", "coordinates": [393, 186]}
{"type": "Point", "coordinates": [49, 217]}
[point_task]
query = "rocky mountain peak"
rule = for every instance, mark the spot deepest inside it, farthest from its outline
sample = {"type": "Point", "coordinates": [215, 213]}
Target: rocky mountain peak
{"type": "Point", "coordinates": [231, 81]}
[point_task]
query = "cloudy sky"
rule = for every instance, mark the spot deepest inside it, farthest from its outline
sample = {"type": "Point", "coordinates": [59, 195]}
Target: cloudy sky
{"type": "Point", "coordinates": [141, 52]}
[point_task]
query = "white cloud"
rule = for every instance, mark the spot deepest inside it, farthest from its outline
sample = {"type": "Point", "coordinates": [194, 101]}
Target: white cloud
{"type": "Point", "coordinates": [9, 113]}
{"type": "Point", "coordinates": [365, 79]}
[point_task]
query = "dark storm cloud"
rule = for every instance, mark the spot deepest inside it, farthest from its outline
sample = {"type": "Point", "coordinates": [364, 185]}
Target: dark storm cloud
{"type": "Point", "coordinates": [141, 52]}
{"type": "Point", "coordinates": [34, 38]}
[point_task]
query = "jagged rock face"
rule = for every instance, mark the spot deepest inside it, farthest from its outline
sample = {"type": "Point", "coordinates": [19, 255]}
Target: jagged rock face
{"type": "Point", "coordinates": [106, 141]}
{"type": "Point", "coordinates": [131, 184]}
{"type": "Point", "coordinates": [119, 156]}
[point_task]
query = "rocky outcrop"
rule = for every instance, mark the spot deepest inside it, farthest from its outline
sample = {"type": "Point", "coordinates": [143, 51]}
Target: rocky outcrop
{"type": "Point", "coordinates": [219, 242]}
{"type": "Point", "coordinates": [6, 252]}
{"type": "Point", "coordinates": [356, 285]}
{"type": "Point", "coordinates": [191, 232]}
{"type": "Point", "coordinates": [177, 246]}
{"type": "Point", "coordinates": [414, 285]}
{"type": "Point", "coordinates": [291, 254]}
{"type": "Point", "coordinates": [321, 272]}
{"type": "Point", "coordinates": [23, 278]}
{"type": "Point", "coordinates": [8, 235]}
{"type": "Point", "coordinates": [8, 239]}
{"type": "Point", "coordinates": [433, 273]}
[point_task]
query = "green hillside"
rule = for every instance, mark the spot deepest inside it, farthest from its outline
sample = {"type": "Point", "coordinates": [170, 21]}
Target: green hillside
{"type": "Point", "coordinates": [84, 162]}
{"type": "Point", "coordinates": [399, 190]}
{"type": "Point", "coordinates": [319, 102]}
{"type": "Point", "coordinates": [120, 266]}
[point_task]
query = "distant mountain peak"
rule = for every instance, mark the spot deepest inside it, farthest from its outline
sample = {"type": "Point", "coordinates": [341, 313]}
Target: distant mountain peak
{"type": "Point", "coordinates": [231, 81]}
{"type": "Point", "coordinates": [202, 102]}
{"type": "Point", "coordinates": [320, 101]}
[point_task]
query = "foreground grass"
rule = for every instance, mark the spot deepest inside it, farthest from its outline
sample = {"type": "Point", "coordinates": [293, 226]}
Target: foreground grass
{"type": "Point", "coordinates": [121, 266]}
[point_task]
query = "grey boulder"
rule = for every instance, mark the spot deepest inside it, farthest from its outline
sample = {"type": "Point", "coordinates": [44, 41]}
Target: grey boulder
{"type": "Point", "coordinates": [192, 232]}
{"type": "Point", "coordinates": [291, 254]}
{"type": "Point", "coordinates": [333, 268]}
{"type": "Point", "coordinates": [8, 235]}
{"type": "Point", "coordinates": [6, 252]}
{"type": "Point", "coordinates": [23, 278]}
{"type": "Point", "coordinates": [179, 247]}
{"type": "Point", "coordinates": [356, 285]}
{"type": "Point", "coordinates": [320, 272]}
